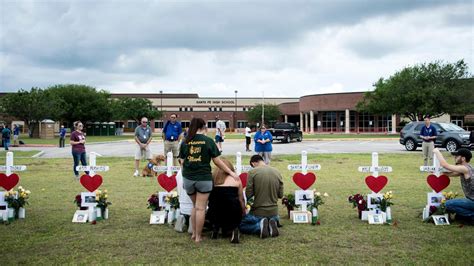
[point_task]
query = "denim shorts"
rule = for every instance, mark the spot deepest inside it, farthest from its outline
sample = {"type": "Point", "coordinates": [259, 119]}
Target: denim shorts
{"type": "Point", "coordinates": [192, 186]}
{"type": "Point", "coordinates": [219, 139]}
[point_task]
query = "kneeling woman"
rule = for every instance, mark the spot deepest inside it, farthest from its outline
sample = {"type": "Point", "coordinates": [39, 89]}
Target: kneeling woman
{"type": "Point", "coordinates": [196, 153]}
{"type": "Point", "coordinates": [226, 204]}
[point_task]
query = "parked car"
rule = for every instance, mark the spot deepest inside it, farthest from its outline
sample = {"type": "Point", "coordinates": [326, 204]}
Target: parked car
{"type": "Point", "coordinates": [450, 136]}
{"type": "Point", "coordinates": [286, 132]}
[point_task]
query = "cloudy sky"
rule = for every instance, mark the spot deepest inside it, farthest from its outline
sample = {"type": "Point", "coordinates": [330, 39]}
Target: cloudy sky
{"type": "Point", "coordinates": [284, 48]}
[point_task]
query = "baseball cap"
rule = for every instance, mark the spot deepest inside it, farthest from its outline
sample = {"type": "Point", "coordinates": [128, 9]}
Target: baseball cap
{"type": "Point", "coordinates": [463, 153]}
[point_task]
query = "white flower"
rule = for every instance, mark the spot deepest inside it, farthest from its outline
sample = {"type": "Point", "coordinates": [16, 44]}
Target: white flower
{"type": "Point", "coordinates": [27, 192]}
{"type": "Point", "coordinates": [20, 188]}
{"type": "Point", "coordinates": [318, 194]}
{"type": "Point", "coordinates": [326, 194]}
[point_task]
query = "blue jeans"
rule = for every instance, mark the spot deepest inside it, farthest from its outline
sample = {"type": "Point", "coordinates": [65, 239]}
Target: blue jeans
{"type": "Point", "coordinates": [251, 223]}
{"type": "Point", "coordinates": [79, 156]}
{"type": "Point", "coordinates": [464, 207]}
{"type": "Point", "coordinates": [6, 143]}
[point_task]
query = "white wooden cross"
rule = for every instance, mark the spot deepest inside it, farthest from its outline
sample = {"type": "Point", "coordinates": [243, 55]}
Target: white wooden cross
{"type": "Point", "coordinates": [435, 168]}
{"type": "Point", "coordinates": [375, 168]}
{"type": "Point", "coordinates": [239, 168]}
{"type": "Point", "coordinates": [169, 168]}
{"type": "Point", "coordinates": [304, 167]}
{"type": "Point", "coordinates": [92, 167]}
{"type": "Point", "coordinates": [9, 168]}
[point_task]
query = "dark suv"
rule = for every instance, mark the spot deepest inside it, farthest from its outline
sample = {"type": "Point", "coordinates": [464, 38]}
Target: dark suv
{"type": "Point", "coordinates": [450, 136]}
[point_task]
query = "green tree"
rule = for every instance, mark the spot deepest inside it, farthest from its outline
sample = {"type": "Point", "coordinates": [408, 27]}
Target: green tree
{"type": "Point", "coordinates": [32, 106]}
{"type": "Point", "coordinates": [84, 103]}
{"type": "Point", "coordinates": [271, 113]}
{"type": "Point", "coordinates": [431, 88]}
{"type": "Point", "coordinates": [135, 108]}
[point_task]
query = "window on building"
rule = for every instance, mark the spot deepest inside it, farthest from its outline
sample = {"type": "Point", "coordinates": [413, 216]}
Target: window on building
{"type": "Point", "coordinates": [215, 108]}
{"type": "Point", "coordinates": [457, 120]}
{"type": "Point", "coordinates": [191, 109]}
{"type": "Point", "coordinates": [132, 124]}
{"type": "Point", "coordinates": [366, 122]}
{"type": "Point", "coordinates": [329, 121]}
{"type": "Point", "coordinates": [210, 109]}
{"type": "Point", "coordinates": [159, 124]}
{"type": "Point", "coordinates": [211, 124]}
{"type": "Point", "coordinates": [384, 122]}
{"type": "Point", "coordinates": [227, 123]}
{"type": "Point", "coordinates": [352, 120]}
{"type": "Point", "coordinates": [180, 108]}
{"type": "Point", "coordinates": [241, 123]}
{"type": "Point", "coordinates": [185, 124]}
{"type": "Point", "coordinates": [220, 108]}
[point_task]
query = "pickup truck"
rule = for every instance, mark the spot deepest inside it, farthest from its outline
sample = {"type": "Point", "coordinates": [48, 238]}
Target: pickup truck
{"type": "Point", "coordinates": [286, 132]}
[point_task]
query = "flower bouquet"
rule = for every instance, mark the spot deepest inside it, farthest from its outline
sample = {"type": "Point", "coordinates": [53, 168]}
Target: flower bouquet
{"type": "Point", "coordinates": [102, 203]}
{"type": "Point", "coordinates": [289, 202]}
{"type": "Point", "coordinates": [318, 201]}
{"type": "Point", "coordinates": [359, 201]}
{"type": "Point", "coordinates": [78, 201]}
{"type": "Point", "coordinates": [16, 201]}
{"type": "Point", "coordinates": [441, 209]}
{"type": "Point", "coordinates": [154, 202]}
{"type": "Point", "coordinates": [172, 199]}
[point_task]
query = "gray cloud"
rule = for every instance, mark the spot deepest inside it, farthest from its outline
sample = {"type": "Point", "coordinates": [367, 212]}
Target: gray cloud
{"type": "Point", "coordinates": [188, 44]}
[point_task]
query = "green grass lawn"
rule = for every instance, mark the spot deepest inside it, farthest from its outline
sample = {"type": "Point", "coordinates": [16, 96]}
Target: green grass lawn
{"type": "Point", "coordinates": [47, 235]}
{"type": "Point", "coordinates": [90, 139]}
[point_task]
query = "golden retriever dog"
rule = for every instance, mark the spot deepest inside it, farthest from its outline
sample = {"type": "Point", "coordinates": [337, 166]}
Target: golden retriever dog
{"type": "Point", "coordinates": [155, 161]}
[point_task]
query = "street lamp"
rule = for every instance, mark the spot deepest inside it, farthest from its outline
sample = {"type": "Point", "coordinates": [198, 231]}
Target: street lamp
{"type": "Point", "coordinates": [235, 112]}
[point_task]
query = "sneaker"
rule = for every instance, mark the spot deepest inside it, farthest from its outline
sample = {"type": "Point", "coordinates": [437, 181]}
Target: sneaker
{"type": "Point", "coordinates": [235, 239]}
{"type": "Point", "coordinates": [264, 228]}
{"type": "Point", "coordinates": [136, 173]}
{"type": "Point", "coordinates": [274, 232]}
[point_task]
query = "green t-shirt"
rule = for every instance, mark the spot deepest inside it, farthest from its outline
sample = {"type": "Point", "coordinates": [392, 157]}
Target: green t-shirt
{"type": "Point", "coordinates": [197, 155]}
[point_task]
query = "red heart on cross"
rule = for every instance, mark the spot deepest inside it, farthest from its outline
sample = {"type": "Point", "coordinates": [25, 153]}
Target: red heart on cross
{"type": "Point", "coordinates": [9, 182]}
{"type": "Point", "coordinates": [243, 179]}
{"type": "Point", "coordinates": [167, 182]}
{"type": "Point", "coordinates": [376, 183]}
{"type": "Point", "coordinates": [91, 183]}
{"type": "Point", "coordinates": [438, 183]}
{"type": "Point", "coordinates": [304, 181]}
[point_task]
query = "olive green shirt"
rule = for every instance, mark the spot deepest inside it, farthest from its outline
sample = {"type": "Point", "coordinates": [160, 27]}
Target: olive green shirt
{"type": "Point", "coordinates": [265, 184]}
{"type": "Point", "coordinates": [197, 155]}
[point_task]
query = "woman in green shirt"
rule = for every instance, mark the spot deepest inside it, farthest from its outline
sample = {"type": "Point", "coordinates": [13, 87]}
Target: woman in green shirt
{"type": "Point", "coordinates": [195, 155]}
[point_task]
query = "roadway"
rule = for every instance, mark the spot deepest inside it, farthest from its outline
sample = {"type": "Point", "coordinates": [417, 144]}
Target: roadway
{"type": "Point", "coordinates": [231, 147]}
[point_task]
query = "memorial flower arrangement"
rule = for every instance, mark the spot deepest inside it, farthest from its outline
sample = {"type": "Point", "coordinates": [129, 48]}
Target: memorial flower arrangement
{"type": "Point", "coordinates": [359, 201]}
{"type": "Point", "coordinates": [154, 202]}
{"type": "Point", "coordinates": [17, 199]}
{"type": "Point", "coordinates": [386, 201]}
{"type": "Point", "coordinates": [441, 209]}
{"type": "Point", "coordinates": [101, 199]}
{"type": "Point", "coordinates": [173, 200]}
{"type": "Point", "coordinates": [289, 202]}
{"type": "Point", "coordinates": [318, 200]}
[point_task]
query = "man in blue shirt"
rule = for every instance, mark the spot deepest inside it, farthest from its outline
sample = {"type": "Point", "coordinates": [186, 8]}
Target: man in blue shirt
{"type": "Point", "coordinates": [16, 135]}
{"type": "Point", "coordinates": [172, 134]}
{"type": "Point", "coordinates": [428, 135]}
{"type": "Point", "coordinates": [62, 136]}
{"type": "Point", "coordinates": [6, 132]}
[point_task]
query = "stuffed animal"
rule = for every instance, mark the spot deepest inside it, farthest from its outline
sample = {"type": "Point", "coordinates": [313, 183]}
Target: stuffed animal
{"type": "Point", "coordinates": [148, 169]}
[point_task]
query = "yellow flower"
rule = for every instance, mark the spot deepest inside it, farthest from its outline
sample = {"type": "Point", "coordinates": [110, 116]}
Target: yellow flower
{"type": "Point", "coordinates": [105, 196]}
{"type": "Point", "coordinates": [443, 201]}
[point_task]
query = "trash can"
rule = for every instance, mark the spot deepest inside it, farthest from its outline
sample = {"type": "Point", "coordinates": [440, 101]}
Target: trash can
{"type": "Point", "coordinates": [104, 129]}
{"type": "Point", "coordinates": [111, 128]}
{"type": "Point", "coordinates": [89, 129]}
{"type": "Point", "coordinates": [96, 129]}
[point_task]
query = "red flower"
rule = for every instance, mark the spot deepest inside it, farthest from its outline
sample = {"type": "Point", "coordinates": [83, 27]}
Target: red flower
{"type": "Point", "coordinates": [318, 223]}
{"type": "Point", "coordinates": [94, 222]}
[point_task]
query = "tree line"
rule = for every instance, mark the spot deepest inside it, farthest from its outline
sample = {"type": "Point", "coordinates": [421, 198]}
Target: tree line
{"type": "Point", "coordinates": [69, 103]}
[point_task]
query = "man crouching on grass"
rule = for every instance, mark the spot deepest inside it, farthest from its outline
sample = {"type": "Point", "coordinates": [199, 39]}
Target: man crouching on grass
{"type": "Point", "coordinates": [464, 208]}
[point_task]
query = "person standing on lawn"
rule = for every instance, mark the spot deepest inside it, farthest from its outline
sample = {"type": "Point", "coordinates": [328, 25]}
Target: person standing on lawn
{"type": "Point", "coordinates": [172, 134]}
{"type": "Point", "coordinates": [428, 134]}
{"type": "Point", "coordinates": [196, 153]}
{"type": "Point", "coordinates": [143, 136]}
{"type": "Point", "coordinates": [263, 144]}
{"type": "Point", "coordinates": [78, 141]}
{"type": "Point", "coordinates": [16, 135]}
{"type": "Point", "coordinates": [62, 136]}
{"type": "Point", "coordinates": [6, 135]}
